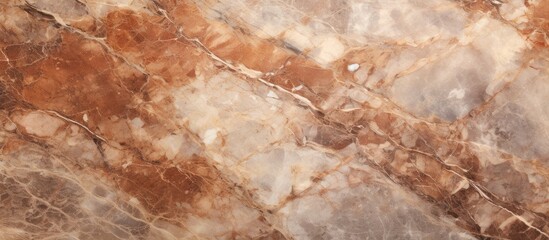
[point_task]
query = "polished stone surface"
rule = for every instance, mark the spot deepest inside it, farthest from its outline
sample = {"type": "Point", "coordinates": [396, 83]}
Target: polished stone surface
{"type": "Point", "coordinates": [274, 119]}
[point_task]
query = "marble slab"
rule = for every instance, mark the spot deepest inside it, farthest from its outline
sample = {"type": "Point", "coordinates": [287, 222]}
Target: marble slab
{"type": "Point", "coordinates": [274, 119]}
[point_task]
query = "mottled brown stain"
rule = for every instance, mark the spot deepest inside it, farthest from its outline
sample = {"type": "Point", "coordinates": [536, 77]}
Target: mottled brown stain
{"type": "Point", "coordinates": [225, 42]}
{"type": "Point", "coordinates": [117, 130]}
{"type": "Point", "coordinates": [516, 230]}
{"type": "Point", "coordinates": [536, 29]}
{"type": "Point", "coordinates": [89, 25]}
{"type": "Point", "coordinates": [461, 155]}
{"type": "Point", "coordinates": [237, 48]}
{"type": "Point", "coordinates": [67, 9]}
{"type": "Point", "coordinates": [22, 44]}
{"type": "Point", "coordinates": [257, 54]}
{"type": "Point", "coordinates": [78, 76]}
{"type": "Point", "coordinates": [151, 42]}
{"type": "Point", "coordinates": [26, 54]}
{"type": "Point", "coordinates": [309, 73]}
{"type": "Point", "coordinates": [332, 137]}
{"type": "Point", "coordinates": [479, 6]}
{"type": "Point", "coordinates": [316, 82]}
{"type": "Point", "coordinates": [7, 101]}
{"type": "Point", "coordinates": [127, 30]}
{"type": "Point", "coordinates": [541, 11]}
{"type": "Point", "coordinates": [20, 201]}
{"type": "Point", "coordinates": [369, 59]}
{"type": "Point", "coordinates": [385, 121]}
{"type": "Point", "coordinates": [540, 21]}
{"type": "Point", "coordinates": [367, 136]}
{"type": "Point", "coordinates": [161, 188]}
{"type": "Point", "coordinates": [12, 145]}
{"type": "Point", "coordinates": [186, 15]}
{"type": "Point", "coordinates": [421, 171]}
{"type": "Point", "coordinates": [427, 137]}
{"type": "Point", "coordinates": [20, 31]}
{"type": "Point", "coordinates": [275, 235]}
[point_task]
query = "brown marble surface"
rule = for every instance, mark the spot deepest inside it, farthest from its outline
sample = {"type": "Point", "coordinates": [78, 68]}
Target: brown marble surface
{"type": "Point", "coordinates": [274, 119]}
